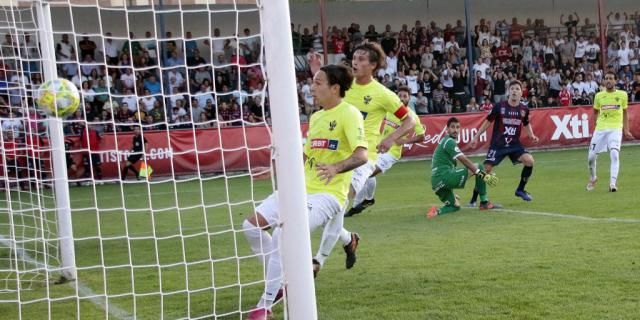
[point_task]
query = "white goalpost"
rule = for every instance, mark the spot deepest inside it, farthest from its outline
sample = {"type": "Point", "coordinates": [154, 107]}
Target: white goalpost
{"type": "Point", "coordinates": [98, 222]}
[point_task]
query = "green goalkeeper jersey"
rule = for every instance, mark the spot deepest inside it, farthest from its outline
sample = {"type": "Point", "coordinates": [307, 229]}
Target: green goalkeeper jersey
{"type": "Point", "coordinates": [444, 158]}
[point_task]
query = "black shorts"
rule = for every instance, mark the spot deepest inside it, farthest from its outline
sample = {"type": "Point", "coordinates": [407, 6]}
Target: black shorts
{"type": "Point", "coordinates": [495, 155]}
{"type": "Point", "coordinates": [95, 159]}
{"type": "Point", "coordinates": [69, 160]}
{"type": "Point", "coordinates": [134, 158]}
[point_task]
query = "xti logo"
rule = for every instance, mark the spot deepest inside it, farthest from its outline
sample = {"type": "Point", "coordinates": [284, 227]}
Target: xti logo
{"type": "Point", "coordinates": [571, 127]}
{"type": "Point", "coordinates": [510, 131]}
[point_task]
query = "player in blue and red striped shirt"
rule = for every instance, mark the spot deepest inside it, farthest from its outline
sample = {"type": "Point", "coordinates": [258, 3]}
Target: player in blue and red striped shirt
{"type": "Point", "coordinates": [508, 118]}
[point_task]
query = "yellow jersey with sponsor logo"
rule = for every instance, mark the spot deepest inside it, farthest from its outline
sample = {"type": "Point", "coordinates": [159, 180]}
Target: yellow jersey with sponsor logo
{"type": "Point", "coordinates": [611, 106]}
{"type": "Point", "coordinates": [391, 123]}
{"type": "Point", "coordinates": [374, 100]}
{"type": "Point", "coordinates": [333, 135]}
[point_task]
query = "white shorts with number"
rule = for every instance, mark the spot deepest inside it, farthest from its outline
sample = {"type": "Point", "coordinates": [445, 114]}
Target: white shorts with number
{"type": "Point", "coordinates": [360, 175]}
{"type": "Point", "coordinates": [385, 162]}
{"type": "Point", "coordinates": [605, 140]}
{"type": "Point", "coordinates": [322, 207]}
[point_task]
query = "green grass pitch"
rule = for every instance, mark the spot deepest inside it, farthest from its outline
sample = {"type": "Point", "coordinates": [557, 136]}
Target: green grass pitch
{"type": "Point", "coordinates": [569, 254]}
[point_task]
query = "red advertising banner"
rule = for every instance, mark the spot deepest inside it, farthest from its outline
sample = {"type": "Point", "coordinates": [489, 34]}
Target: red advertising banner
{"type": "Point", "coordinates": [183, 152]}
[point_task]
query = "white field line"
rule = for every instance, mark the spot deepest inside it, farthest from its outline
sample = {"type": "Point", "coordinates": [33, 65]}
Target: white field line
{"type": "Point", "coordinates": [566, 216]}
{"type": "Point", "coordinates": [523, 212]}
{"type": "Point", "coordinates": [83, 289]}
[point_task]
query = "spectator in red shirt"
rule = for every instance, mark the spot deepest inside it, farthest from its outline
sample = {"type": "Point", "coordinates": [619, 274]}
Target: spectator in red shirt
{"type": "Point", "coordinates": [504, 53]}
{"type": "Point", "coordinates": [486, 105]}
{"type": "Point", "coordinates": [515, 32]}
{"type": "Point", "coordinates": [339, 46]}
{"type": "Point", "coordinates": [564, 97]}
{"type": "Point", "coordinates": [479, 85]}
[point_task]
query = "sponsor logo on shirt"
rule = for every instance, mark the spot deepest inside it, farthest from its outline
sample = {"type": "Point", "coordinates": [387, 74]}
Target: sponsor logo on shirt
{"type": "Point", "coordinates": [364, 114]}
{"type": "Point", "coordinates": [324, 144]}
{"type": "Point", "coordinates": [610, 106]}
{"type": "Point", "coordinates": [332, 125]}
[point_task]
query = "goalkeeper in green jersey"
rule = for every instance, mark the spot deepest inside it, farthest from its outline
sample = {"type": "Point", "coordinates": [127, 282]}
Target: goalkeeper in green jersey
{"type": "Point", "coordinates": [445, 176]}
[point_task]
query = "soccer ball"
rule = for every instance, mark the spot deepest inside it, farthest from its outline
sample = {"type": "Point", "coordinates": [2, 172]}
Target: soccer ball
{"type": "Point", "coordinates": [58, 98]}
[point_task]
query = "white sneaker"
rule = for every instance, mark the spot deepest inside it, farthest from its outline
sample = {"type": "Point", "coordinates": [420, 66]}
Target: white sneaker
{"type": "Point", "coordinates": [613, 188]}
{"type": "Point", "coordinates": [592, 184]}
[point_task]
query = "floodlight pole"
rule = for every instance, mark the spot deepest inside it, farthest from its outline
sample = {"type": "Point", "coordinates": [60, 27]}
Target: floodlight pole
{"type": "Point", "coordinates": [467, 22]}
{"type": "Point", "coordinates": [602, 34]}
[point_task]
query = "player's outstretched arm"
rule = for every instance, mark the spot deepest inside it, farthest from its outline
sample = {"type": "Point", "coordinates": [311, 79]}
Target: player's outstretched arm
{"type": "Point", "coordinates": [329, 171]}
{"type": "Point", "coordinates": [407, 126]}
{"type": "Point", "coordinates": [485, 125]}
{"type": "Point", "coordinates": [414, 139]}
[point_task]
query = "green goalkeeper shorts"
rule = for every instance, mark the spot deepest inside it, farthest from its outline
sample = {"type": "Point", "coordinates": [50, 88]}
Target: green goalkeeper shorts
{"type": "Point", "coordinates": [453, 179]}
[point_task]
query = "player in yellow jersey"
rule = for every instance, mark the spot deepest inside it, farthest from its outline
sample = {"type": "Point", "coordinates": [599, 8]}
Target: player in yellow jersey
{"type": "Point", "coordinates": [364, 198]}
{"type": "Point", "coordinates": [610, 112]}
{"type": "Point", "coordinates": [335, 146]}
{"type": "Point", "coordinates": [373, 100]}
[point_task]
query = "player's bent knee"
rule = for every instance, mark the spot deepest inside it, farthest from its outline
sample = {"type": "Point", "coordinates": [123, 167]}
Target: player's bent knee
{"type": "Point", "coordinates": [527, 160]}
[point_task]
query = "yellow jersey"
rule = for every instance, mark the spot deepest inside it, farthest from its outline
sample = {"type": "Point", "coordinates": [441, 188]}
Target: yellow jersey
{"type": "Point", "coordinates": [611, 106]}
{"type": "Point", "coordinates": [332, 137]}
{"type": "Point", "coordinates": [374, 100]}
{"type": "Point", "coordinates": [391, 123]}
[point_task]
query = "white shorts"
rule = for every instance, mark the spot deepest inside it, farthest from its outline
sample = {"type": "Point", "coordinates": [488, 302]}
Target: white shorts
{"type": "Point", "coordinates": [605, 140]}
{"type": "Point", "coordinates": [322, 208]}
{"type": "Point", "coordinates": [385, 162]}
{"type": "Point", "coordinates": [360, 175]}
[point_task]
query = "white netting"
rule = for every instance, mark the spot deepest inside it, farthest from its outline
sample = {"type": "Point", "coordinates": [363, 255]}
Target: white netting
{"type": "Point", "coordinates": [171, 246]}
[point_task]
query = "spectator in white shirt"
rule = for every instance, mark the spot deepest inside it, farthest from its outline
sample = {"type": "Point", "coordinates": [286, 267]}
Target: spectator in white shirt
{"type": "Point", "coordinates": [590, 87]}
{"type": "Point", "coordinates": [203, 95]}
{"type": "Point", "coordinates": [577, 85]}
{"type": "Point", "coordinates": [392, 64]}
{"type": "Point", "coordinates": [482, 67]}
{"type": "Point", "coordinates": [128, 79]}
{"type": "Point", "coordinates": [624, 55]}
{"type": "Point", "coordinates": [581, 48]}
{"type": "Point", "coordinates": [438, 45]}
{"type": "Point", "coordinates": [147, 101]}
{"type": "Point", "coordinates": [131, 101]}
{"type": "Point", "coordinates": [110, 50]}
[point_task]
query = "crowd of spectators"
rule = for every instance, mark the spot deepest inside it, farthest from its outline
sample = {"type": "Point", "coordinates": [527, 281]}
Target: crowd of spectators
{"type": "Point", "coordinates": [157, 83]}
{"type": "Point", "coordinates": [559, 66]}
{"type": "Point", "coordinates": [162, 82]}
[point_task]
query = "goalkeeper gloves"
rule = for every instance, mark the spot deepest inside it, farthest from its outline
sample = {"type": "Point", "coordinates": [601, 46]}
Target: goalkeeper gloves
{"type": "Point", "coordinates": [489, 178]}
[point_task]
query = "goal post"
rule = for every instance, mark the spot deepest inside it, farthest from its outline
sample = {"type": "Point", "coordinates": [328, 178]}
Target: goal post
{"type": "Point", "coordinates": [295, 243]}
{"type": "Point", "coordinates": [56, 137]}
{"type": "Point", "coordinates": [212, 87]}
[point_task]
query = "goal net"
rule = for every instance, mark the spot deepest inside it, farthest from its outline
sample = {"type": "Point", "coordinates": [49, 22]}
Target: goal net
{"type": "Point", "coordinates": [170, 150]}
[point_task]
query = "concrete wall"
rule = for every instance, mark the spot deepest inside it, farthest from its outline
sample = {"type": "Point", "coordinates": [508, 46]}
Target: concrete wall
{"type": "Point", "coordinates": [378, 13]}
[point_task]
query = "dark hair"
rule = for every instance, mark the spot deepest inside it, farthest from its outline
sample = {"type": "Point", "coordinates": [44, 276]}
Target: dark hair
{"type": "Point", "coordinates": [452, 120]}
{"type": "Point", "coordinates": [405, 89]}
{"type": "Point", "coordinates": [615, 76]}
{"type": "Point", "coordinates": [376, 54]}
{"type": "Point", "coordinates": [340, 75]}
{"type": "Point", "coordinates": [515, 82]}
